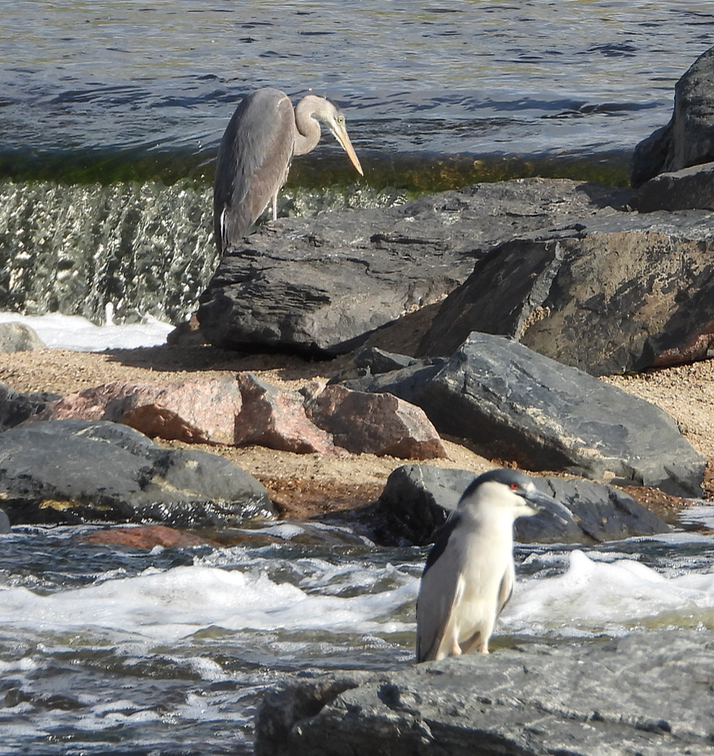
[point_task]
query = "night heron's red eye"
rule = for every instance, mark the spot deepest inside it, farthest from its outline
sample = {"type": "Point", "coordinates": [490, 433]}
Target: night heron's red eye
{"type": "Point", "coordinates": [515, 486]}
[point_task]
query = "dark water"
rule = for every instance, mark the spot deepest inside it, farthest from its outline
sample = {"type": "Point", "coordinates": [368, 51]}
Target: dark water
{"type": "Point", "coordinates": [100, 90]}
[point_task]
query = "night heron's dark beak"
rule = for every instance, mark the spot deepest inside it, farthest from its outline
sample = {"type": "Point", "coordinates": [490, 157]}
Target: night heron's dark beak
{"type": "Point", "coordinates": [541, 501]}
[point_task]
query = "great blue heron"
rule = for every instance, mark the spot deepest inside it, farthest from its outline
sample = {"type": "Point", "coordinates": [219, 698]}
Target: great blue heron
{"type": "Point", "coordinates": [469, 573]}
{"type": "Point", "coordinates": [255, 154]}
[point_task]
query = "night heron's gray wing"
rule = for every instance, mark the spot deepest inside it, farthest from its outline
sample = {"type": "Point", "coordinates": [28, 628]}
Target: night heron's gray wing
{"type": "Point", "coordinates": [441, 585]}
{"type": "Point", "coordinates": [506, 590]}
{"type": "Point", "coordinates": [253, 162]}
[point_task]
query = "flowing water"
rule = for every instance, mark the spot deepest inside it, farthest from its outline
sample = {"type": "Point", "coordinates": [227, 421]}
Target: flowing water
{"type": "Point", "coordinates": [167, 652]}
{"type": "Point", "coordinates": [110, 117]}
{"type": "Point", "coordinates": [422, 82]}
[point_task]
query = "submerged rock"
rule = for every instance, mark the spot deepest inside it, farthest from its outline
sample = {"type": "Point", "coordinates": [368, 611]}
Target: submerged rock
{"type": "Point", "coordinates": [641, 694]}
{"type": "Point", "coordinates": [75, 471]}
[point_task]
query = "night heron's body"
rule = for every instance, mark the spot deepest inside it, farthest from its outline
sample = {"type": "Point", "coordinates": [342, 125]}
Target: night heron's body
{"type": "Point", "coordinates": [255, 155]}
{"type": "Point", "coordinates": [469, 574]}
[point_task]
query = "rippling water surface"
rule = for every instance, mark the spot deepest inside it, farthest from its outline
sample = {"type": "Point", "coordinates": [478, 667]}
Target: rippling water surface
{"type": "Point", "coordinates": [115, 651]}
{"type": "Point", "coordinates": [471, 77]}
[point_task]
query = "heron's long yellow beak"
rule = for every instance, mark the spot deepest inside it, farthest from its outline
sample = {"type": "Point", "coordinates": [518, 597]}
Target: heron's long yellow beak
{"type": "Point", "coordinates": [339, 131]}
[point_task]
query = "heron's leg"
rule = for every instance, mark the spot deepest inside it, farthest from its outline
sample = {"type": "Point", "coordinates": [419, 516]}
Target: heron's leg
{"type": "Point", "coordinates": [475, 640]}
{"type": "Point", "coordinates": [275, 206]}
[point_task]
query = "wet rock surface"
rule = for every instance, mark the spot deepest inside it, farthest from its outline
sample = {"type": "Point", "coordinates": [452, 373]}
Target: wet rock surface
{"type": "Point", "coordinates": [606, 698]}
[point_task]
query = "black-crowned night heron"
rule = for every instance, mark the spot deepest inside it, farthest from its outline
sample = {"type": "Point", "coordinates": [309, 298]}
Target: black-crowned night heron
{"type": "Point", "coordinates": [469, 573]}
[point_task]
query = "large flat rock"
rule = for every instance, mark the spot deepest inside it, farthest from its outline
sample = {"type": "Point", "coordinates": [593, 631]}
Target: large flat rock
{"type": "Point", "coordinates": [648, 694]}
{"type": "Point", "coordinates": [322, 285]}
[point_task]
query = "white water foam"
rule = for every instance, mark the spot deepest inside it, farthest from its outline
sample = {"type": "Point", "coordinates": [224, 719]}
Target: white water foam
{"type": "Point", "coordinates": [80, 335]}
{"type": "Point", "coordinates": [595, 597]}
{"type": "Point", "coordinates": [590, 598]}
{"type": "Point", "coordinates": [168, 606]}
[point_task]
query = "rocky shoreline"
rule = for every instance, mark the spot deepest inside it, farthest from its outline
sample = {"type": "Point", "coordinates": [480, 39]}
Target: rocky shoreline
{"type": "Point", "coordinates": [494, 325]}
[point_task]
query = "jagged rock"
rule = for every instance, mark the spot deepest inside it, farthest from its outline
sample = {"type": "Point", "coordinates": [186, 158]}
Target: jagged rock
{"type": "Point", "coordinates": [417, 499]}
{"type": "Point", "coordinates": [688, 139]}
{"type": "Point", "coordinates": [19, 337]}
{"type": "Point", "coordinates": [513, 403]}
{"type": "Point", "coordinates": [4, 522]}
{"type": "Point", "coordinates": [690, 188]}
{"type": "Point", "coordinates": [15, 407]}
{"type": "Point", "coordinates": [641, 694]}
{"type": "Point", "coordinates": [194, 411]}
{"type": "Point", "coordinates": [277, 419]}
{"type": "Point", "coordinates": [322, 285]}
{"type": "Point", "coordinates": [380, 424]}
{"type": "Point", "coordinates": [74, 471]}
{"type": "Point", "coordinates": [610, 296]}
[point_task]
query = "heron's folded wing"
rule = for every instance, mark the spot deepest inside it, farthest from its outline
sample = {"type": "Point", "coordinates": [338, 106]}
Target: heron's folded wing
{"type": "Point", "coordinates": [506, 589]}
{"type": "Point", "coordinates": [440, 590]}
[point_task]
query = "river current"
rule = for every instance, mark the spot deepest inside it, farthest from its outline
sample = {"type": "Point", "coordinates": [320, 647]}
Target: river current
{"type": "Point", "coordinates": [422, 83]}
{"type": "Point", "coordinates": [167, 652]}
{"type": "Point", "coordinates": [107, 651]}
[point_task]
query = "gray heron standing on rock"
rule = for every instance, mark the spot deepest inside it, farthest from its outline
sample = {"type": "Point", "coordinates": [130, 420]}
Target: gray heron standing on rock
{"type": "Point", "coordinates": [469, 573]}
{"type": "Point", "coordinates": [256, 151]}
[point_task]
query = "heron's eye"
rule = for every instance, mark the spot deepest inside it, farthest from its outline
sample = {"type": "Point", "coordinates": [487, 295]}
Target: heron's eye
{"type": "Point", "coordinates": [514, 487]}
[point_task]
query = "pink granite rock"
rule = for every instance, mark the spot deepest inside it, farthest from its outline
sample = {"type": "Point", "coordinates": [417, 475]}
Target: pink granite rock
{"type": "Point", "coordinates": [374, 423]}
{"type": "Point", "coordinates": [277, 419]}
{"type": "Point", "coordinates": [195, 411]}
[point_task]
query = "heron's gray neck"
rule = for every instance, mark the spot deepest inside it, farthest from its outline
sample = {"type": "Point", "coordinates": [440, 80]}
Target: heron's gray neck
{"type": "Point", "coordinates": [307, 132]}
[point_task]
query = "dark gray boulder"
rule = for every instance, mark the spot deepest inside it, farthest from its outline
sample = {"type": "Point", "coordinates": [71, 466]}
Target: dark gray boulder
{"type": "Point", "coordinates": [515, 404]}
{"type": "Point", "coordinates": [19, 337]}
{"type": "Point", "coordinates": [323, 285]}
{"type": "Point", "coordinates": [417, 499]}
{"type": "Point", "coordinates": [688, 189]}
{"type": "Point", "coordinates": [646, 694]}
{"type": "Point", "coordinates": [82, 471]}
{"type": "Point", "coordinates": [688, 139]}
{"type": "Point", "coordinates": [611, 296]}
{"type": "Point", "coordinates": [15, 407]}
{"type": "Point", "coordinates": [4, 522]}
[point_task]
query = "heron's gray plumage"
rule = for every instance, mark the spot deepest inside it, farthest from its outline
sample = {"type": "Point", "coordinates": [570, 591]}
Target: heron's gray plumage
{"type": "Point", "coordinates": [470, 574]}
{"type": "Point", "coordinates": [255, 155]}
